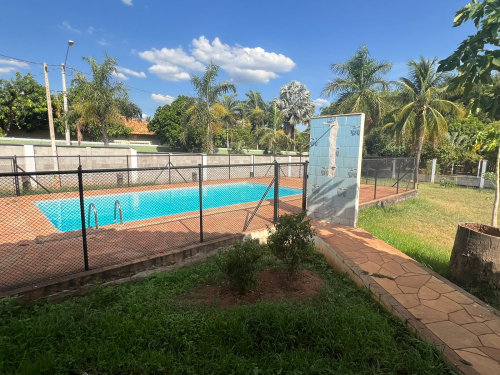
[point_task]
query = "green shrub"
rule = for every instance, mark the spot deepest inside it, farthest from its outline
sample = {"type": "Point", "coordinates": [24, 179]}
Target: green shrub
{"type": "Point", "coordinates": [240, 265]}
{"type": "Point", "coordinates": [444, 182]}
{"type": "Point", "coordinates": [292, 241]}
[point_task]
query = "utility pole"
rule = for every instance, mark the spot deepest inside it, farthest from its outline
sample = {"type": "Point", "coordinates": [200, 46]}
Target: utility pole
{"type": "Point", "coordinates": [51, 119]}
{"type": "Point", "coordinates": [65, 96]}
{"type": "Point", "coordinates": [65, 101]}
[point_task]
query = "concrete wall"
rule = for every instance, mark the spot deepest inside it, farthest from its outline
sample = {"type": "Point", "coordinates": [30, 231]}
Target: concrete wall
{"type": "Point", "coordinates": [467, 181]}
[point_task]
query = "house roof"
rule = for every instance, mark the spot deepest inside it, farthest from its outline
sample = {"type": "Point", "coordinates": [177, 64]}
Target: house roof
{"type": "Point", "coordinates": [138, 127]}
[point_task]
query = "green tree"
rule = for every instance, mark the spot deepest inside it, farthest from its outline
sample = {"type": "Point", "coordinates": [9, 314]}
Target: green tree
{"type": "Point", "coordinates": [100, 101]}
{"type": "Point", "coordinates": [422, 115]}
{"type": "Point", "coordinates": [168, 121]}
{"type": "Point", "coordinates": [207, 95]}
{"type": "Point", "coordinates": [296, 106]}
{"type": "Point", "coordinates": [232, 105]}
{"type": "Point", "coordinates": [23, 104]}
{"type": "Point", "coordinates": [359, 85]}
{"type": "Point", "coordinates": [474, 58]}
{"type": "Point", "coordinates": [489, 141]}
{"type": "Point", "coordinates": [272, 136]}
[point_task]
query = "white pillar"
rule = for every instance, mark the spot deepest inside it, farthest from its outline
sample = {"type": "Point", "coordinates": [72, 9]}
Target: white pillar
{"type": "Point", "coordinates": [289, 166]}
{"type": "Point", "coordinates": [29, 157]}
{"type": "Point", "coordinates": [393, 169]}
{"type": "Point", "coordinates": [253, 165]}
{"type": "Point", "coordinates": [483, 171]}
{"type": "Point", "coordinates": [133, 164]}
{"type": "Point", "coordinates": [433, 172]}
{"type": "Point", "coordinates": [205, 162]}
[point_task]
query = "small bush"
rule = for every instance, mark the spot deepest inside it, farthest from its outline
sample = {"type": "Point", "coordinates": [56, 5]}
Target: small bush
{"type": "Point", "coordinates": [240, 265]}
{"type": "Point", "coordinates": [444, 182]}
{"type": "Point", "coordinates": [292, 241]}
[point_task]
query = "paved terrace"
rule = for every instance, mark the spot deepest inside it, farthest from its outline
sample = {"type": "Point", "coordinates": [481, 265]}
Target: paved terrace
{"type": "Point", "coordinates": [463, 327]}
{"type": "Point", "coordinates": [32, 250]}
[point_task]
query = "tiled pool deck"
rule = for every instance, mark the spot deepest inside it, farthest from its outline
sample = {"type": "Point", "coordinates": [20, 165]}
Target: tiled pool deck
{"type": "Point", "coordinates": [463, 327]}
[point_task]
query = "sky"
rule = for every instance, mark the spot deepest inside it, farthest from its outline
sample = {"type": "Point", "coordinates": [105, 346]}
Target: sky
{"type": "Point", "coordinates": [259, 45]}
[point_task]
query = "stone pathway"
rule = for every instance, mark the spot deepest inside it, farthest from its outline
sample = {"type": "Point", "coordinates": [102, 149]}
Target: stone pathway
{"type": "Point", "coordinates": [463, 327]}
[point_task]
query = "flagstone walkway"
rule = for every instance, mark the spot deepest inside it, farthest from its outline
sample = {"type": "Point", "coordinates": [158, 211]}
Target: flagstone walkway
{"type": "Point", "coordinates": [463, 327]}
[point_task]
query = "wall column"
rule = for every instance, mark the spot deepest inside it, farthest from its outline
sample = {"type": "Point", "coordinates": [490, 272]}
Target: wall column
{"type": "Point", "coordinates": [433, 172]}
{"type": "Point", "coordinates": [483, 172]}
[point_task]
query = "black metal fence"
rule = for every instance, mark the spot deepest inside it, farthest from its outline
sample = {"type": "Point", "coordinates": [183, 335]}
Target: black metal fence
{"type": "Point", "coordinates": [55, 224]}
{"type": "Point", "coordinates": [389, 176]}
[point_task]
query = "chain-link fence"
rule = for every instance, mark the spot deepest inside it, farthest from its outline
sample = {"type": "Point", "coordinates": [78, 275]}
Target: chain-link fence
{"type": "Point", "coordinates": [381, 177]}
{"type": "Point", "coordinates": [55, 224]}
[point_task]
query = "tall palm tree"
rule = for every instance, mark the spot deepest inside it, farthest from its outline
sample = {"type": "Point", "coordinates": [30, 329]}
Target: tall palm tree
{"type": "Point", "coordinates": [100, 98]}
{"type": "Point", "coordinates": [359, 85]}
{"type": "Point", "coordinates": [207, 95]}
{"type": "Point", "coordinates": [272, 136]}
{"type": "Point", "coordinates": [255, 111]}
{"type": "Point", "coordinates": [422, 114]}
{"type": "Point", "coordinates": [296, 105]}
{"type": "Point", "coordinates": [231, 104]}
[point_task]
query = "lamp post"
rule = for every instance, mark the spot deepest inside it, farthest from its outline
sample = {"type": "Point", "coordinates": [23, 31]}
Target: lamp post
{"type": "Point", "coordinates": [65, 96]}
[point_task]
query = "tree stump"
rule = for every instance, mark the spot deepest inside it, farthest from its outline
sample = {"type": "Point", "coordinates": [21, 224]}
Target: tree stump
{"type": "Point", "coordinates": [475, 257]}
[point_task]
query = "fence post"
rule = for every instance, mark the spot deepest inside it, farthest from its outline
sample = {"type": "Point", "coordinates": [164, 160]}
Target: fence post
{"type": "Point", "coordinates": [128, 172]}
{"type": "Point", "coordinates": [200, 185]}
{"type": "Point", "coordinates": [276, 190]}
{"type": "Point", "coordinates": [397, 185]}
{"type": "Point", "coordinates": [433, 170]}
{"type": "Point", "coordinates": [376, 176]}
{"type": "Point", "coordinates": [393, 169]}
{"type": "Point", "coordinates": [82, 216]}
{"type": "Point", "coordinates": [229, 153]}
{"type": "Point", "coordinates": [304, 186]}
{"type": "Point", "coordinates": [169, 173]}
{"type": "Point", "coordinates": [16, 178]}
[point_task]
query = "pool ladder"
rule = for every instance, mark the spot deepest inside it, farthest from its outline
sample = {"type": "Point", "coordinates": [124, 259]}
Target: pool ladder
{"type": "Point", "coordinates": [117, 204]}
{"type": "Point", "coordinates": [92, 206]}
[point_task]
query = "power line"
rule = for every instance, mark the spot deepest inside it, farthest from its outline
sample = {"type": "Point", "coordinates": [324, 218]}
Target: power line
{"type": "Point", "coordinates": [26, 61]}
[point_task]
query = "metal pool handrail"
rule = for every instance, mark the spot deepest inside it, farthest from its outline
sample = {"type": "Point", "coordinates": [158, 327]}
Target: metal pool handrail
{"type": "Point", "coordinates": [117, 204]}
{"type": "Point", "coordinates": [92, 205]}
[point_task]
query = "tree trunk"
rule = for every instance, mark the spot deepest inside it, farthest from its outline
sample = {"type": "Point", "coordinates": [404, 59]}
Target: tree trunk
{"type": "Point", "coordinates": [475, 257]}
{"type": "Point", "coordinates": [227, 137]}
{"type": "Point", "coordinates": [293, 138]}
{"type": "Point", "coordinates": [494, 218]}
{"type": "Point", "coordinates": [210, 139]}
{"type": "Point", "coordinates": [104, 133]}
{"type": "Point", "coordinates": [419, 152]}
{"type": "Point", "coordinates": [257, 135]}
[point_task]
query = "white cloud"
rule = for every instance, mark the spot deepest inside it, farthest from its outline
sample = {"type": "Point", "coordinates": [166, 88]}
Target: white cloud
{"type": "Point", "coordinates": [66, 26]}
{"type": "Point", "coordinates": [243, 64]}
{"type": "Point", "coordinates": [103, 42]}
{"type": "Point", "coordinates": [127, 2]}
{"type": "Point", "coordinates": [15, 63]}
{"type": "Point", "coordinates": [7, 70]}
{"type": "Point", "coordinates": [90, 30]}
{"type": "Point", "coordinates": [119, 75]}
{"type": "Point", "coordinates": [145, 116]}
{"type": "Point", "coordinates": [169, 72]}
{"type": "Point", "coordinates": [321, 103]}
{"type": "Point", "coordinates": [162, 99]}
{"type": "Point", "coordinates": [132, 72]}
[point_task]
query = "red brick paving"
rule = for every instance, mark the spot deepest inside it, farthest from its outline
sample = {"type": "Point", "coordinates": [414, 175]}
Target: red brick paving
{"type": "Point", "coordinates": [435, 308]}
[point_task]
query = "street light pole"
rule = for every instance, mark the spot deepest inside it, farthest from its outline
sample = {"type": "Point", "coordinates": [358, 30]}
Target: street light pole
{"type": "Point", "coordinates": [65, 96]}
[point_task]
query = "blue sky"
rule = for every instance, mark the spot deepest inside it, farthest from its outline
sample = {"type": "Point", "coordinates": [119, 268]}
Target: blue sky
{"type": "Point", "coordinates": [260, 45]}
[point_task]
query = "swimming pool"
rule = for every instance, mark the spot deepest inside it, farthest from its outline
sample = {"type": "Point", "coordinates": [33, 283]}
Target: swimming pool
{"type": "Point", "coordinates": [65, 213]}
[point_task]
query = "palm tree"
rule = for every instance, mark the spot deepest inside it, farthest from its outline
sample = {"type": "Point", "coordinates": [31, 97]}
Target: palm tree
{"type": "Point", "coordinates": [270, 137]}
{"type": "Point", "coordinates": [296, 105]}
{"type": "Point", "coordinates": [231, 104]}
{"type": "Point", "coordinates": [255, 111]}
{"type": "Point", "coordinates": [422, 114]}
{"type": "Point", "coordinates": [359, 85]}
{"type": "Point", "coordinates": [100, 98]}
{"type": "Point", "coordinates": [207, 95]}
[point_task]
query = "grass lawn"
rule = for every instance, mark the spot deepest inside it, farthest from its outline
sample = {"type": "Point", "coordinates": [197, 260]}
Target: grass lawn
{"type": "Point", "coordinates": [153, 327]}
{"type": "Point", "coordinates": [425, 227]}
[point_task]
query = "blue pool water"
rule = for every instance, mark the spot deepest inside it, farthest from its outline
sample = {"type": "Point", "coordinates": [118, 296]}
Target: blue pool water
{"type": "Point", "coordinates": [65, 213]}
